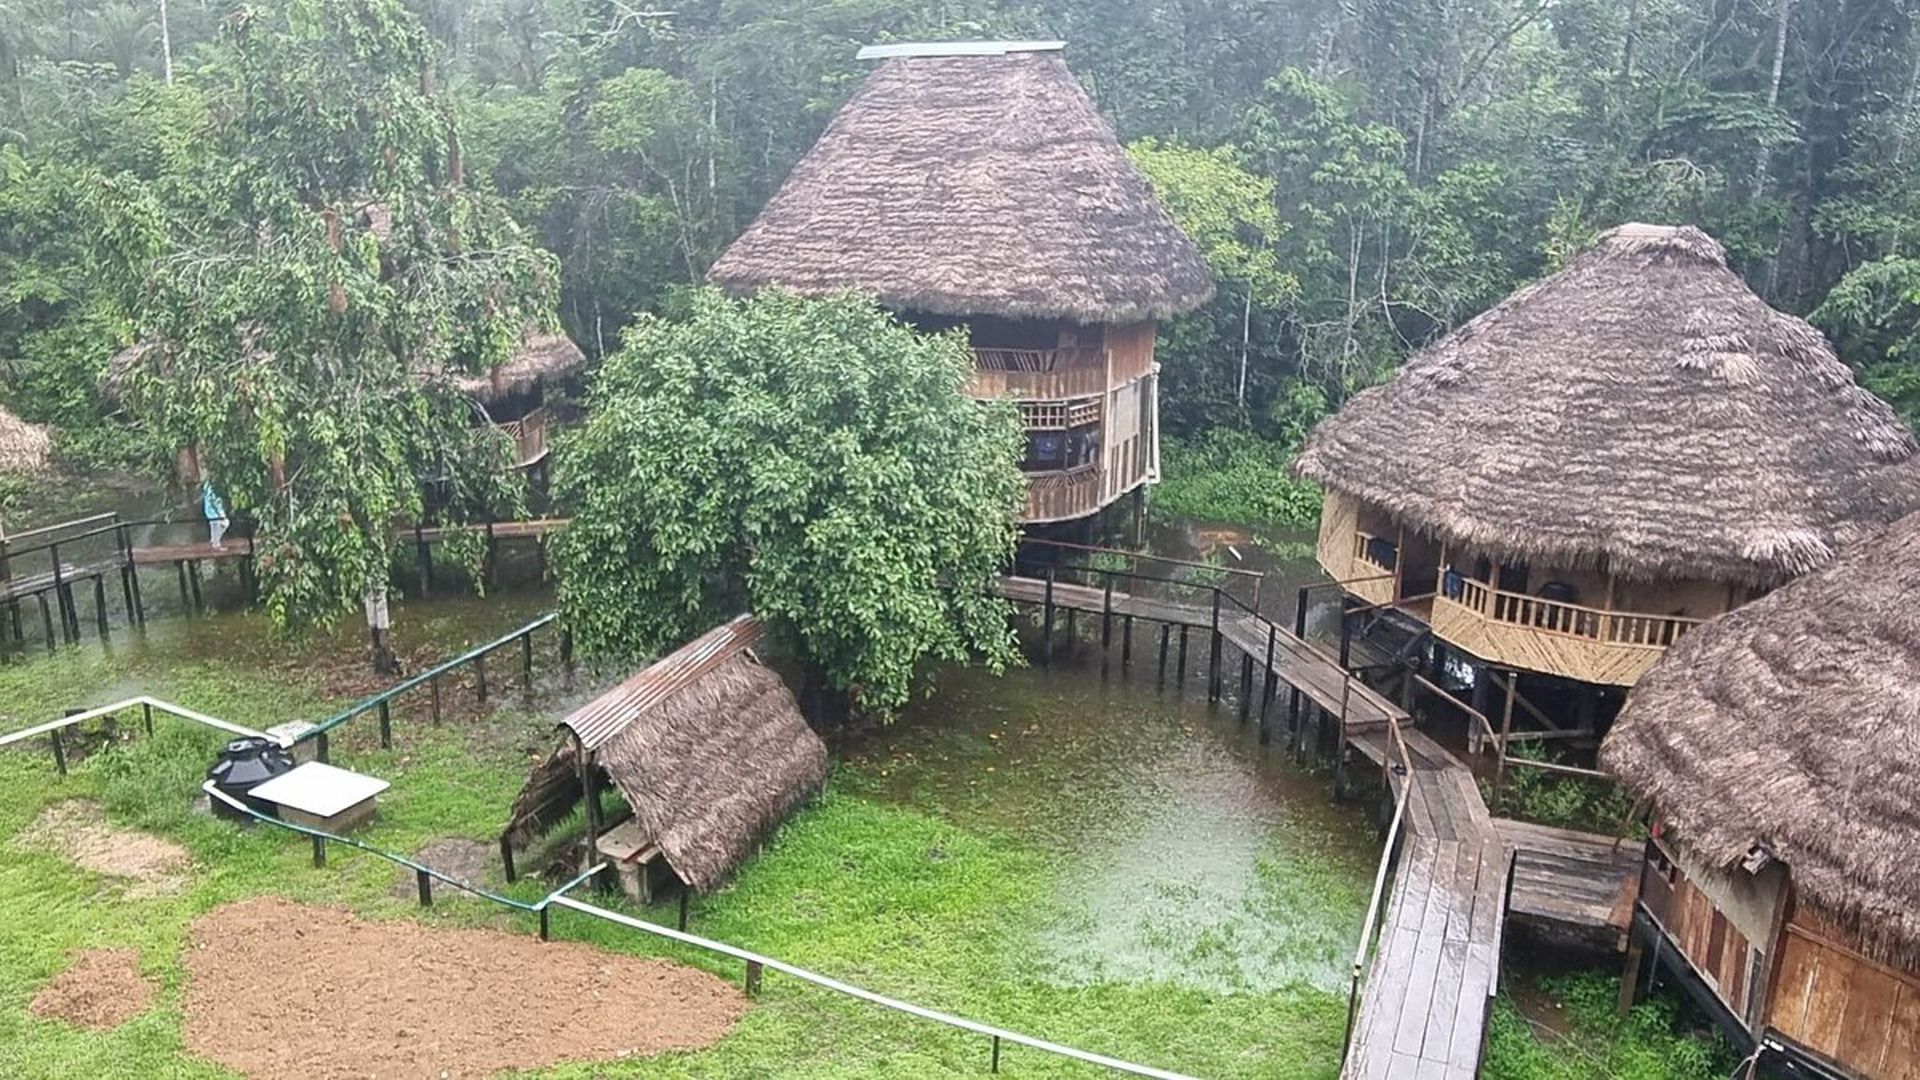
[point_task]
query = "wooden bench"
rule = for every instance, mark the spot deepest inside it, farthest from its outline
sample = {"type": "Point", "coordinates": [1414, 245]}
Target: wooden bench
{"type": "Point", "coordinates": [632, 853]}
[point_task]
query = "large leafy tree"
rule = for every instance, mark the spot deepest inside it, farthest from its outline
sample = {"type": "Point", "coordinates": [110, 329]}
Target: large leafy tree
{"type": "Point", "coordinates": [330, 268]}
{"type": "Point", "coordinates": [816, 462]}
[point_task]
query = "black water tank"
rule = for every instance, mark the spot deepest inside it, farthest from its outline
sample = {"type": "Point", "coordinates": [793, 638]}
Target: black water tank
{"type": "Point", "coordinates": [244, 765]}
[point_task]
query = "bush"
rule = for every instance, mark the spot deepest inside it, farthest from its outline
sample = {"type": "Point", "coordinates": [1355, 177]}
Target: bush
{"type": "Point", "coordinates": [1548, 798]}
{"type": "Point", "coordinates": [1235, 476]}
{"type": "Point", "coordinates": [1649, 1043]}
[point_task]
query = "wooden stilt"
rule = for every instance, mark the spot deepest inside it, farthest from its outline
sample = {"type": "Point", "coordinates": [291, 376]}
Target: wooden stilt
{"type": "Point", "coordinates": [1630, 975]}
{"type": "Point", "coordinates": [100, 604]}
{"type": "Point", "coordinates": [1180, 673]}
{"type": "Point", "coordinates": [1165, 630]}
{"type": "Point", "coordinates": [1126, 642]}
{"type": "Point", "coordinates": [193, 579]}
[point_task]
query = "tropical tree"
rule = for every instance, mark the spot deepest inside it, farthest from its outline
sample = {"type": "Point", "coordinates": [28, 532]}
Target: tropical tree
{"type": "Point", "coordinates": [813, 461]}
{"type": "Point", "coordinates": [329, 268]}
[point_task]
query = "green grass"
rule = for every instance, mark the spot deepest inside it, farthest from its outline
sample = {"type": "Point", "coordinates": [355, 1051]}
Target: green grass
{"type": "Point", "coordinates": [898, 898]}
{"type": "Point", "coordinates": [1582, 1037]}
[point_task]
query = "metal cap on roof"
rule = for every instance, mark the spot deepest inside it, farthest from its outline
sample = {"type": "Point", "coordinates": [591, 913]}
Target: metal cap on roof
{"type": "Point", "coordinates": [956, 48]}
{"type": "Point", "coordinates": [610, 713]}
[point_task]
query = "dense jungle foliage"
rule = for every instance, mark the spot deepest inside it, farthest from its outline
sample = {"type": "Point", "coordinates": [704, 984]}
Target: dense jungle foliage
{"type": "Point", "coordinates": [1361, 175]}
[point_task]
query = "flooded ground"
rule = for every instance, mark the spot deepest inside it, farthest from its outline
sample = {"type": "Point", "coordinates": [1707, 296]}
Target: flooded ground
{"type": "Point", "coordinates": [1185, 851]}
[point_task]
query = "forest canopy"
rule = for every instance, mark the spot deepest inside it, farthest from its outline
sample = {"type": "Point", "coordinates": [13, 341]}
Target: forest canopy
{"type": "Point", "coordinates": [1363, 176]}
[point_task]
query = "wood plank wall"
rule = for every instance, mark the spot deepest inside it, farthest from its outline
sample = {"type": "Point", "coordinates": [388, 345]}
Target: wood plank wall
{"type": "Point", "coordinates": [1856, 1012]}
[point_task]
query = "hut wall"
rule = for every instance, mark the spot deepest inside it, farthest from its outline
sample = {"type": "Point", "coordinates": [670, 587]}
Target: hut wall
{"type": "Point", "coordinates": [1694, 599]}
{"type": "Point", "coordinates": [1721, 922]}
{"type": "Point", "coordinates": [1856, 1013]}
{"type": "Point", "coordinates": [1129, 351]}
{"type": "Point", "coordinates": [1343, 521]}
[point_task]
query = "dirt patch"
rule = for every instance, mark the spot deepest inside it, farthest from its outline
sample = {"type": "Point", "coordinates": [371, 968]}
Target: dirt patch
{"type": "Point", "coordinates": [100, 989]}
{"type": "Point", "coordinates": [77, 830]}
{"type": "Point", "coordinates": [457, 857]}
{"type": "Point", "coordinates": [322, 993]}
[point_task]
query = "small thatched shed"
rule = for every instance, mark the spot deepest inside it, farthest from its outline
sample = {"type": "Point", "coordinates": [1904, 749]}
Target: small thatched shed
{"type": "Point", "coordinates": [26, 449]}
{"type": "Point", "coordinates": [707, 745]}
{"type": "Point", "coordinates": [1642, 410]}
{"type": "Point", "coordinates": [975, 184]}
{"type": "Point", "coordinates": [1779, 746]}
{"type": "Point", "coordinates": [541, 358]}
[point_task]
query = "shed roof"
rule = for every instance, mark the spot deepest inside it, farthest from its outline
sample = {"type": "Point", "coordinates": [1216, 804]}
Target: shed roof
{"type": "Point", "coordinates": [707, 745]}
{"type": "Point", "coordinates": [982, 184]}
{"type": "Point", "coordinates": [1641, 409]}
{"type": "Point", "coordinates": [1793, 725]}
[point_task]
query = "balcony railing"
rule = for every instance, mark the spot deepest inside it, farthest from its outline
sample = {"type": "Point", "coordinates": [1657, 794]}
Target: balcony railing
{"type": "Point", "coordinates": [1039, 373]}
{"type": "Point", "coordinates": [1572, 620]}
{"type": "Point", "coordinates": [1059, 496]}
{"type": "Point", "coordinates": [529, 435]}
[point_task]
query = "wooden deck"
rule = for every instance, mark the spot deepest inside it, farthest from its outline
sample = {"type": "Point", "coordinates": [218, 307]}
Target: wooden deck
{"type": "Point", "coordinates": [1572, 881]}
{"type": "Point", "coordinates": [204, 551]}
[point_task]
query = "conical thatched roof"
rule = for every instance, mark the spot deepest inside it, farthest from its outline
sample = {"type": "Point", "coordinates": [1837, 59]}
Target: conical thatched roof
{"type": "Point", "coordinates": [1641, 408]}
{"type": "Point", "coordinates": [1793, 724]}
{"type": "Point", "coordinates": [708, 747]}
{"type": "Point", "coordinates": [973, 185]}
{"type": "Point", "coordinates": [25, 448]}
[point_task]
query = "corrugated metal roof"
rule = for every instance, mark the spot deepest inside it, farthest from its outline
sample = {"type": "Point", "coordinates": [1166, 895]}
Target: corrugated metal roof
{"type": "Point", "coordinates": [607, 715]}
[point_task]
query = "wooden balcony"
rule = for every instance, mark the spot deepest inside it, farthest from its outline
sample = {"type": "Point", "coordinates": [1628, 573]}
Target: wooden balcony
{"type": "Point", "coordinates": [1373, 568]}
{"type": "Point", "coordinates": [1592, 645]}
{"type": "Point", "coordinates": [1054, 373]}
{"type": "Point", "coordinates": [1060, 496]}
{"type": "Point", "coordinates": [529, 435]}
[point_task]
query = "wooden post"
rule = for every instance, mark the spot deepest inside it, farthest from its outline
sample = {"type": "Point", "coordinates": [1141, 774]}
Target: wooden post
{"type": "Point", "coordinates": [526, 660]}
{"type": "Point", "coordinates": [424, 884]}
{"type": "Point", "coordinates": [386, 726]}
{"type": "Point", "coordinates": [480, 675]}
{"type": "Point", "coordinates": [1180, 674]}
{"type": "Point", "coordinates": [1106, 615]}
{"type": "Point", "coordinates": [193, 578]}
{"type": "Point", "coordinates": [146, 718]}
{"type": "Point", "coordinates": [423, 556]}
{"type": "Point", "coordinates": [1046, 623]}
{"type": "Point", "coordinates": [59, 752]}
{"type": "Point", "coordinates": [186, 602]}
{"type": "Point", "coordinates": [319, 851]}
{"type": "Point", "coordinates": [46, 620]}
{"type": "Point", "coordinates": [506, 855]}
{"type": "Point", "coordinates": [1246, 686]}
{"type": "Point", "coordinates": [1630, 975]}
{"type": "Point", "coordinates": [1213, 650]}
{"type": "Point", "coordinates": [433, 688]}
{"type": "Point", "coordinates": [1506, 732]}
{"type": "Point", "coordinates": [1126, 642]}
{"type": "Point", "coordinates": [1268, 688]}
{"type": "Point", "coordinates": [685, 890]}
{"type": "Point", "coordinates": [100, 604]}
{"type": "Point", "coordinates": [1165, 629]}
{"type": "Point", "coordinates": [753, 978]}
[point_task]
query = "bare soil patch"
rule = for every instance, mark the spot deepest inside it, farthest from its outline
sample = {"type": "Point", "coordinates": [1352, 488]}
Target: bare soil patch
{"type": "Point", "coordinates": [100, 989]}
{"type": "Point", "coordinates": [77, 830]}
{"type": "Point", "coordinates": [461, 859]}
{"type": "Point", "coordinates": [323, 994]}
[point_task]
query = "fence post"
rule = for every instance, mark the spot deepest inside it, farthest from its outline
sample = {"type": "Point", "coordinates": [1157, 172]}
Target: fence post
{"type": "Point", "coordinates": [59, 752]}
{"type": "Point", "coordinates": [526, 660]}
{"type": "Point", "coordinates": [480, 675]}
{"type": "Point", "coordinates": [100, 604]}
{"type": "Point", "coordinates": [1213, 650]}
{"type": "Point", "coordinates": [506, 855]}
{"type": "Point", "coordinates": [319, 851]}
{"type": "Point", "coordinates": [1267, 687]}
{"type": "Point", "coordinates": [1106, 615]}
{"type": "Point", "coordinates": [683, 908]}
{"type": "Point", "coordinates": [753, 978]}
{"type": "Point", "coordinates": [46, 620]}
{"type": "Point", "coordinates": [1126, 642]}
{"type": "Point", "coordinates": [1046, 649]}
{"type": "Point", "coordinates": [425, 884]}
{"type": "Point", "coordinates": [320, 747]}
{"type": "Point", "coordinates": [996, 1054]}
{"type": "Point", "coordinates": [546, 928]}
{"type": "Point", "coordinates": [146, 718]}
{"type": "Point", "coordinates": [433, 687]}
{"type": "Point", "coordinates": [386, 726]}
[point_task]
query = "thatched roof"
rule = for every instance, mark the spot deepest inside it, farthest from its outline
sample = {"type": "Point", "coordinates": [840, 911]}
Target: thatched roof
{"type": "Point", "coordinates": [973, 185]}
{"type": "Point", "coordinates": [540, 356]}
{"type": "Point", "coordinates": [1640, 409]}
{"type": "Point", "coordinates": [1793, 725]}
{"type": "Point", "coordinates": [25, 448]}
{"type": "Point", "coordinates": [708, 746]}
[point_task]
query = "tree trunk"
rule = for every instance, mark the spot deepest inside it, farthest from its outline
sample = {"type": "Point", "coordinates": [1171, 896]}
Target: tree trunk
{"type": "Point", "coordinates": [1783, 14]}
{"type": "Point", "coordinates": [166, 47]}
{"type": "Point", "coordinates": [1246, 336]}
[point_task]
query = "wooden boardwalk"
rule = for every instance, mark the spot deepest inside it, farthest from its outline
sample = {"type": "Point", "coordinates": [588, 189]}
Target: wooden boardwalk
{"type": "Point", "coordinates": [1573, 882]}
{"type": "Point", "coordinates": [1430, 984]}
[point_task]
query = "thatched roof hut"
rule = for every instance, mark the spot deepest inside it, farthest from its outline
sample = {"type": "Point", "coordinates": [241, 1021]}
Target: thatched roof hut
{"type": "Point", "coordinates": [973, 185]}
{"type": "Point", "coordinates": [541, 356]}
{"type": "Point", "coordinates": [708, 746]}
{"type": "Point", "coordinates": [26, 449]}
{"type": "Point", "coordinates": [1641, 410]}
{"type": "Point", "coordinates": [1792, 726]}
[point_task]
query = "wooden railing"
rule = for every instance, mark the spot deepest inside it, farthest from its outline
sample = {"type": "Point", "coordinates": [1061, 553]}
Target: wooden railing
{"type": "Point", "coordinates": [1039, 359]}
{"type": "Point", "coordinates": [529, 435]}
{"type": "Point", "coordinates": [1057, 496]}
{"type": "Point", "coordinates": [1361, 542]}
{"type": "Point", "coordinates": [1572, 620]}
{"type": "Point", "coordinates": [1039, 373]}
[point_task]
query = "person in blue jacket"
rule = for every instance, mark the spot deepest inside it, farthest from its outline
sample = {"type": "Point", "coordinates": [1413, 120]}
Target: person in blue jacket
{"type": "Point", "coordinates": [216, 512]}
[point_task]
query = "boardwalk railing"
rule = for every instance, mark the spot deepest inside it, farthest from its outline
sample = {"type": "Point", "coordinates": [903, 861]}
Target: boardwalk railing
{"type": "Point", "coordinates": [381, 704]}
{"type": "Point", "coordinates": [1482, 735]}
{"type": "Point", "coordinates": [1370, 926]}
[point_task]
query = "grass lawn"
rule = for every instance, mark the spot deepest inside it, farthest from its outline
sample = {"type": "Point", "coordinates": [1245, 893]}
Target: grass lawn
{"type": "Point", "coordinates": [892, 895]}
